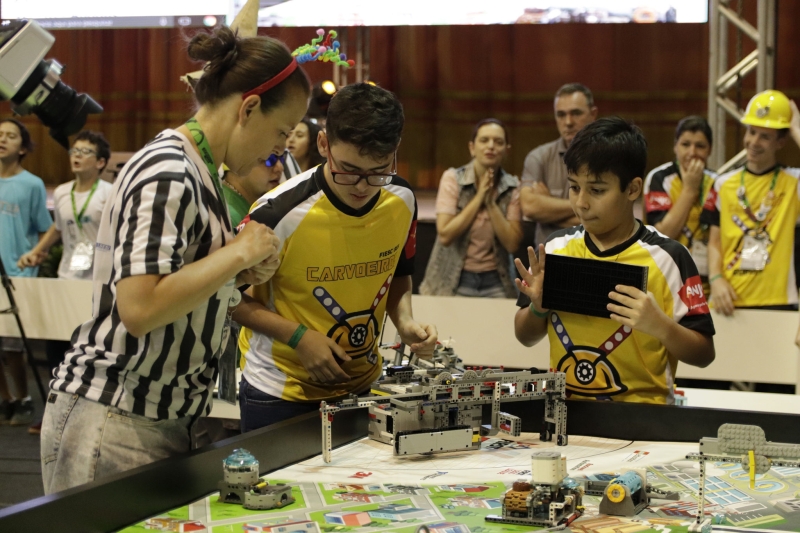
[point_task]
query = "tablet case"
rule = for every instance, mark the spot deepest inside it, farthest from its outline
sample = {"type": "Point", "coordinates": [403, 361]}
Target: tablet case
{"type": "Point", "coordinates": [577, 285]}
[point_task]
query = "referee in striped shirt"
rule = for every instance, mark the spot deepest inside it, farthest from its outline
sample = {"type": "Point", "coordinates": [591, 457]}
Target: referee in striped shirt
{"type": "Point", "coordinates": [142, 370]}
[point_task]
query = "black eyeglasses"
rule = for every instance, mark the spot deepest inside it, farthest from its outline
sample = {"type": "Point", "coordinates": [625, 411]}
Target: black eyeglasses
{"type": "Point", "coordinates": [273, 159]}
{"type": "Point", "coordinates": [82, 151]}
{"type": "Point", "coordinates": [376, 179]}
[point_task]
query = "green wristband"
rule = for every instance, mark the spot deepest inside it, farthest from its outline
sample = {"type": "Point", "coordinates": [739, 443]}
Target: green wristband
{"type": "Point", "coordinates": [536, 313]}
{"type": "Point", "coordinates": [296, 336]}
{"type": "Point", "coordinates": [714, 278]}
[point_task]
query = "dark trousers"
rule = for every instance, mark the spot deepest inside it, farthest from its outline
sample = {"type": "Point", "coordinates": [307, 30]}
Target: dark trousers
{"type": "Point", "coordinates": [259, 409]}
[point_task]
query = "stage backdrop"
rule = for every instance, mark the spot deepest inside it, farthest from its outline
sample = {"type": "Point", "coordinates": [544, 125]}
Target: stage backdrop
{"type": "Point", "coordinates": [448, 77]}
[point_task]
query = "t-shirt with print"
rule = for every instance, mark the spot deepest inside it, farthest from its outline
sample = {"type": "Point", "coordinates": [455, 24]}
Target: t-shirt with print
{"type": "Point", "coordinates": [605, 360]}
{"type": "Point", "coordinates": [662, 188]}
{"type": "Point", "coordinates": [23, 216]}
{"type": "Point", "coordinates": [164, 212]}
{"type": "Point", "coordinates": [480, 250]}
{"type": "Point", "coordinates": [71, 235]}
{"type": "Point", "coordinates": [337, 266]}
{"type": "Point", "coordinates": [775, 284]}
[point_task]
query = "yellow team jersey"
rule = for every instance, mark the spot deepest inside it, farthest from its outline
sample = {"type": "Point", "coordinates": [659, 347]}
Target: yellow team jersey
{"type": "Point", "coordinates": [603, 359]}
{"type": "Point", "coordinates": [662, 188]}
{"type": "Point", "coordinates": [738, 225]}
{"type": "Point", "coordinates": [337, 265]}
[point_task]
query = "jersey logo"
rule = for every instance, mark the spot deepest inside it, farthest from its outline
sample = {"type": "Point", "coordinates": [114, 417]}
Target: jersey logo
{"type": "Point", "coordinates": [588, 370]}
{"type": "Point", "coordinates": [356, 332]}
{"type": "Point", "coordinates": [244, 221]}
{"type": "Point", "coordinates": [693, 296]}
{"type": "Point", "coordinates": [657, 201]}
{"type": "Point", "coordinates": [411, 243]}
{"type": "Point", "coordinates": [711, 200]}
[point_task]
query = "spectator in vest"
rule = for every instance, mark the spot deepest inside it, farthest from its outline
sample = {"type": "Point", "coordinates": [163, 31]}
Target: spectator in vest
{"type": "Point", "coordinates": [477, 221]}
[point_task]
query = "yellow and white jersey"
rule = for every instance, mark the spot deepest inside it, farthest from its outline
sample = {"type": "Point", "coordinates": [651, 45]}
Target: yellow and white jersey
{"type": "Point", "coordinates": [775, 284]}
{"type": "Point", "coordinates": [337, 265]}
{"type": "Point", "coordinates": [662, 188]}
{"type": "Point", "coordinates": [605, 360]}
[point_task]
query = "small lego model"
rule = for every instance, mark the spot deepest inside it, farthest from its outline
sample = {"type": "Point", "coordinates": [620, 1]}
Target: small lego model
{"type": "Point", "coordinates": [625, 495]}
{"type": "Point", "coordinates": [743, 444]}
{"type": "Point", "coordinates": [242, 485]}
{"type": "Point", "coordinates": [550, 499]}
{"type": "Point", "coordinates": [444, 414]}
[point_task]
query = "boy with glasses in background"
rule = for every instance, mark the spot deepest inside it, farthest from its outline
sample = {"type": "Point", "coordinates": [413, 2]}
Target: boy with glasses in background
{"type": "Point", "coordinates": [242, 192]}
{"type": "Point", "coordinates": [348, 239]}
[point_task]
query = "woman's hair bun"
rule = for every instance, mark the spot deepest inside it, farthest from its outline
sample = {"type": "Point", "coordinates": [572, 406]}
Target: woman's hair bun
{"type": "Point", "coordinates": [220, 49]}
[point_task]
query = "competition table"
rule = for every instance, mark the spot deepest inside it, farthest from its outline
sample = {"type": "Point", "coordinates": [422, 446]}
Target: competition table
{"type": "Point", "coordinates": [129, 498]}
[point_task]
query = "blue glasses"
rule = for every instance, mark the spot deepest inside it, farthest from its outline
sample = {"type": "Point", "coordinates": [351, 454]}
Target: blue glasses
{"type": "Point", "coordinates": [273, 159]}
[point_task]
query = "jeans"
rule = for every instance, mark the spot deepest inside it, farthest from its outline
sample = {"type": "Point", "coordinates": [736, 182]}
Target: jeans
{"type": "Point", "coordinates": [83, 440]}
{"type": "Point", "coordinates": [259, 409]}
{"type": "Point", "coordinates": [480, 284]}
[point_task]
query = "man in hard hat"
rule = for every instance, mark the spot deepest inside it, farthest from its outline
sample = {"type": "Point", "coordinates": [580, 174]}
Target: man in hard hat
{"type": "Point", "coordinates": [752, 212]}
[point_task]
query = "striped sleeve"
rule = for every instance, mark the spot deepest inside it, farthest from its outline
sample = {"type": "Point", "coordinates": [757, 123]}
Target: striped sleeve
{"type": "Point", "coordinates": [405, 263]}
{"type": "Point", "coordinates": [156, 225]}
{"type": "Point", "coordinates": [689, 305]}
{"type": "Point", "coordinates": [711, 208]}
{"type": "Point", "coordinates": [657, 200]}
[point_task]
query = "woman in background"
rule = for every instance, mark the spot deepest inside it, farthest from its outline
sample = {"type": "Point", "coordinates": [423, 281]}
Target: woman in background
{"type": "Point", "coordinates": [302, 143]}
{"type": "Point", "coordinates": [478, 221]}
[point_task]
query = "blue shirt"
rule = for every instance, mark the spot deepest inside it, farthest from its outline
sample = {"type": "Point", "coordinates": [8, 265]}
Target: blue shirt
{"type": "Point", "coordinates": [23, 216]}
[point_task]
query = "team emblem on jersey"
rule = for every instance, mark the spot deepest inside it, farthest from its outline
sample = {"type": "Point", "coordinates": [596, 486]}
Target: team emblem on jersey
{"type": "Point", "coordinates": [590, 373]}
{"type": "Point", "coordinates": [355, 332]}
{"type": "Point", "coordinates": [588, 370]}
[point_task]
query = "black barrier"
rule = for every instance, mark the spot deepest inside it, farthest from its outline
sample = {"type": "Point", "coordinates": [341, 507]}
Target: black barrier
{"type": "Point", "coordinates": [119, 501]}
{"type": "Point", "coordinates": [122, 500]}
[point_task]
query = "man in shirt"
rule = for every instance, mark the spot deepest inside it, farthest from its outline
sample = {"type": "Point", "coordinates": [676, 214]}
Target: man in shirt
{"type": "Point", "coordinates": [544, 193]}
{"type": "Point", "coordinates": [23, 216]}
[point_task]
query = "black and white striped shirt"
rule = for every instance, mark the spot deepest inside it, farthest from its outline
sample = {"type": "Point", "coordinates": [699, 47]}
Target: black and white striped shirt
{"type": "Point", "coordinates": [164, 212]}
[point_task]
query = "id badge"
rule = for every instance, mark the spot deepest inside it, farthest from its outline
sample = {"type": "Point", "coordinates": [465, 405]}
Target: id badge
{"type": "Point", "coordinates": [82, 257]}
{"type": "Point", "coordinates": [699, 253]}
{"type": "Point", "coordinates": [228, 363]}
{"type": "Point", "coordinates": [754, 254]}
{"type": "Point", "coordinates": [229, 354]}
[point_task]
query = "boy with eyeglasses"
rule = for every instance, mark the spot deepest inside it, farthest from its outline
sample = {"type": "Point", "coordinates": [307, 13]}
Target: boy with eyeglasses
{"type": "Point", "coordinates": [241, 192]}
{"type": "Point", "coordinates": [348, 234]}
{"type": "Point", "coordinates": [78, 206]}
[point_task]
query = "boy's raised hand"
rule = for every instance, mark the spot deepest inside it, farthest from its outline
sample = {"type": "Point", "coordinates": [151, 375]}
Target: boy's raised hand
{"type": "Point", "coordinates": [531, 281]}
{"type": "Point", "coordinates": [638, 310]}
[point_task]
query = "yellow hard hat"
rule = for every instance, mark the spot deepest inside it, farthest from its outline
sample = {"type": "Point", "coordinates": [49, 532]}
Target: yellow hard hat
{"type": "Point", "coordinates": [768, 109]}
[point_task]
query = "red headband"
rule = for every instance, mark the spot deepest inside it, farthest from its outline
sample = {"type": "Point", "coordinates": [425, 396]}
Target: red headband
{"type": "Point", "coordinates": [272, 82]}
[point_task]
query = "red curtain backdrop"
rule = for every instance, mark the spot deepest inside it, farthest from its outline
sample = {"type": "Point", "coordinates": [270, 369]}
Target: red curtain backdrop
{"type": "Point", "coordinates": [448, 78]}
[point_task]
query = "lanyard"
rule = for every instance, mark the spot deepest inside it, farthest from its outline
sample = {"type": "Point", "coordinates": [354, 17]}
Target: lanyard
{"type": "Point", "coordinates": [766, 203]}
{"type": "Point", "coordinates": [205, 153]}
{"type": "Point", "coordinates": [79, 216]}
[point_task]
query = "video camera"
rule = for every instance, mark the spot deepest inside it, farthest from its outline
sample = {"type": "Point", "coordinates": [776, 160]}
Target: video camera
{"type": "Point", "coordinates": [33, 84]}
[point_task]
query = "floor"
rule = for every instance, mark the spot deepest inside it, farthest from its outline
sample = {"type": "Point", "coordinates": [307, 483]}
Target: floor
{"type": "Point", "coordinates": [20, 467]}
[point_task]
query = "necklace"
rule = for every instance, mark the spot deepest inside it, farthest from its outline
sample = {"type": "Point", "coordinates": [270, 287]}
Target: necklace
{"type": "Point", "coordinates": [231, 187]}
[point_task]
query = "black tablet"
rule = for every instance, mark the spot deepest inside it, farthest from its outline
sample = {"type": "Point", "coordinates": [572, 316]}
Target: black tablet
{"type": "Point", "coordinates": [581, 286]}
